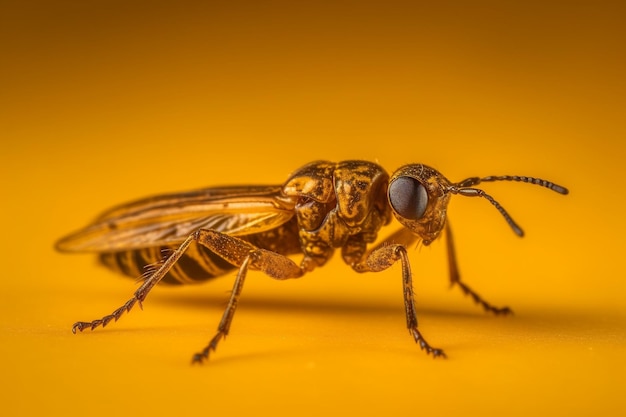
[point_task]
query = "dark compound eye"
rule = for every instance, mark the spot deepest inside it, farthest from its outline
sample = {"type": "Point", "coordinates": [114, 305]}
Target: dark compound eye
{"type": "Point", "coordinates": [408, 197]}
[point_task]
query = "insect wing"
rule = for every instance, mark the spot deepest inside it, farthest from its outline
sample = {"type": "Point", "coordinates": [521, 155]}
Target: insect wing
{"type": "Point", "coordinates": [170, 219]}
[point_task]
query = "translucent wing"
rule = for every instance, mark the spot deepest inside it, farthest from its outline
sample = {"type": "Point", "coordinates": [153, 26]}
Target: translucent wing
{"type": "Point", "coordinates": [169, 219]}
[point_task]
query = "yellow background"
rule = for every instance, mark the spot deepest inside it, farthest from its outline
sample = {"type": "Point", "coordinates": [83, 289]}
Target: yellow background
{"type": "Point", "coordinates": [106, 101]}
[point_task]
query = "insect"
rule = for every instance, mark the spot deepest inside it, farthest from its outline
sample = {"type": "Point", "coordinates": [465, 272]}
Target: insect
{"type": "Point", "coordinates": [323, 206]}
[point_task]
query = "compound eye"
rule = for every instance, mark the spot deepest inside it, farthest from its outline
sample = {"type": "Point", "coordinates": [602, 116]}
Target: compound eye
{"type": "Point", "coordinates": [408, 197]}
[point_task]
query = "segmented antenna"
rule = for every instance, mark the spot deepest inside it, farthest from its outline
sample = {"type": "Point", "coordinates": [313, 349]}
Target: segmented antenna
{"type": "Point", "coordinates": [464, 188]}
{"type": "Point", "coordinates": [469, 182]}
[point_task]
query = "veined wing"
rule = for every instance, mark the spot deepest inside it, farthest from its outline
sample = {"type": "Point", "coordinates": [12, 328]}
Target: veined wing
{"type": "Point", "coordinates": [169, 219]}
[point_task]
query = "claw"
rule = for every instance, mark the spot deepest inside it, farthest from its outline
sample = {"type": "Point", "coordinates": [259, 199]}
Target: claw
{"type": "Point", "coordinates": [438, 353]}
{"type": "Point", "coordinates": [201, 356]}
{"type": "Point", "coordinates": [423, 344]}
{"type": "Point", "coordinates": [79, 325]}
{"type": "Point", "coordinates": [503, 311]}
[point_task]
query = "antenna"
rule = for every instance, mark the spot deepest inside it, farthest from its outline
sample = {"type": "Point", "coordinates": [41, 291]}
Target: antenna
{"type": "Point", "coordinates": [531, 180]}
{"type": "Point", "coordinates": [464, 188]}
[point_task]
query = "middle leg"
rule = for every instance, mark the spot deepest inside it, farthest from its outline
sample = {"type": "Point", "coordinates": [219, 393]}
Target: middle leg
{"type": "Point", "coordinates": [246, 256]}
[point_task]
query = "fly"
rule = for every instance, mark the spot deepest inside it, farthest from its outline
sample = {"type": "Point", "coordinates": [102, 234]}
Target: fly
{"type": "Point", "coordinates": [191, 237]}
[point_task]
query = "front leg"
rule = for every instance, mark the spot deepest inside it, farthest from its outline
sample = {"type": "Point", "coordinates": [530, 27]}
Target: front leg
{"type": "Point", "coordinates": [382, 258]}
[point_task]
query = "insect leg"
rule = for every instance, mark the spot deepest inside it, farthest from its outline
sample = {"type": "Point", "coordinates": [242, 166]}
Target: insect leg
{"type": "Point", "coordinates": [455, 278]}
{"type": "Point", "coordinates": [382, 258]}
{"type": "Point", "coordinates": [247, 256]}
{"type": "Point", "coordinates": [142, 292]}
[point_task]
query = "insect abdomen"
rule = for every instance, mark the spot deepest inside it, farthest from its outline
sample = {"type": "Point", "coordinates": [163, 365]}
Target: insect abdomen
{"type": "Point", "coordinates": [197, 264]}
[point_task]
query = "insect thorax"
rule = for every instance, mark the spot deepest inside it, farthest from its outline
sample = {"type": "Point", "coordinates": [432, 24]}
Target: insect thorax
{"type": "Point", "coordinates": [338, 205]}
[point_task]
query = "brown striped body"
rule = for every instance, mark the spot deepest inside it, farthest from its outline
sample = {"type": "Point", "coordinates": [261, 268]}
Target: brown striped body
{"type": "Point", "coordinates": [198, 264]}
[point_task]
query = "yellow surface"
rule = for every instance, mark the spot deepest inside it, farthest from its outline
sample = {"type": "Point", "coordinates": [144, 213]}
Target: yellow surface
{"type": "Point", "coordinates": [104, 102]}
